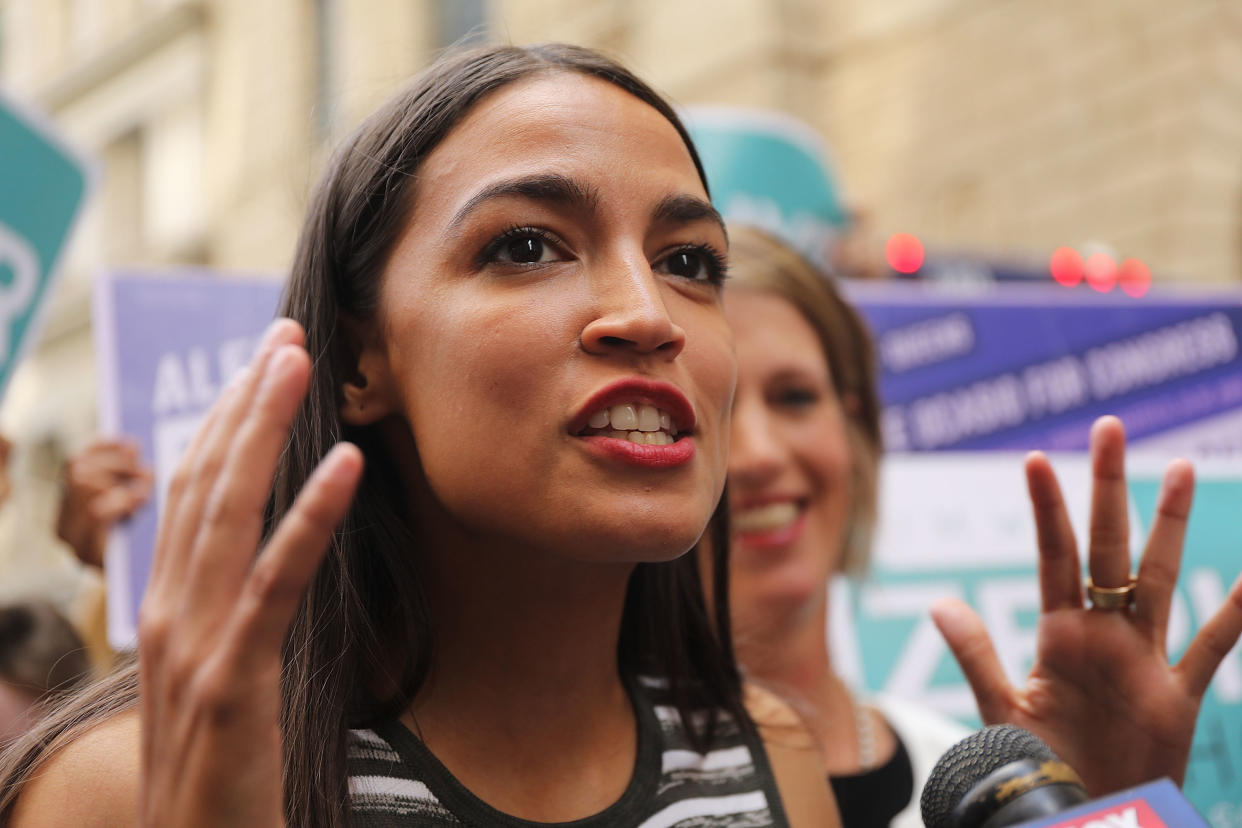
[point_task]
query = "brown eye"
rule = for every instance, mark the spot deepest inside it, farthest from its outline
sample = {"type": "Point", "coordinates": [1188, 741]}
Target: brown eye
{"type": "Point", "coordinates": [686, 264]}
{"type": "Point", "coordinates": [522, 246]}
{"type": "Point", "coordinates": [694, 263]}
{"type": "Point", "coordinates": [798, 397]}
{"type": "Point", "coordinates": [526, 250]}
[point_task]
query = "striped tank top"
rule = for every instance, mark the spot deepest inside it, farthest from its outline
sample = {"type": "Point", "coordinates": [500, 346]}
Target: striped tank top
{"type": "Point", "coordinates": [395, 781]}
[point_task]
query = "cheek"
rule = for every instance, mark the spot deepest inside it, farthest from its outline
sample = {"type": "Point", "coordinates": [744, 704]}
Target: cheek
{"type": "Point", "coordinates": [712, 364]}
{"type": "Point", "coordinates": [826, 459]}
{"type": "Point", "coordinates": [477, 370]}
{"type": "Point", "coordinates": [469, 386]}
{"type": "Point", "coordinates": [824, 450]}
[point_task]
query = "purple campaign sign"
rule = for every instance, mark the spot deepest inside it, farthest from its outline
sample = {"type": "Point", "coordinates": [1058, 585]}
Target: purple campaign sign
{"type": "Point", "coordinates": [1016, 368]}
{"type": "Point", "coordinates": [165, 345]}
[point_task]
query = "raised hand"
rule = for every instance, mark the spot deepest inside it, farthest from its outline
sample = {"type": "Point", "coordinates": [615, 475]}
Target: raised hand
{"type": "Point", "coordinates": [215, 612]}
{"type": "Point", "coordinates": [1102, 693]}
{"type": "Point", "coordinates": [104, 483]}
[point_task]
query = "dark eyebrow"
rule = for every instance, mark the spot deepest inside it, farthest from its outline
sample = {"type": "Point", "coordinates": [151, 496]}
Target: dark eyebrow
{"type": "Point", "coordinates": [551, 187]}
{"type": "Point", "coordinates": [684, 209]}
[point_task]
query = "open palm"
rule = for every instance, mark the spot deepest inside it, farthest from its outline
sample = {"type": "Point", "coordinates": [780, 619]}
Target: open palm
{"type": "Point", "coordinates": [1102, 693]}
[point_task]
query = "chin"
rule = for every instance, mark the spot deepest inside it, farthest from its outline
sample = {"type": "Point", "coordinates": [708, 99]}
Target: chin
{"type": "Point", "coordinates": [775, 594]}
{"type": "Point", "coordinates": [632, 538]}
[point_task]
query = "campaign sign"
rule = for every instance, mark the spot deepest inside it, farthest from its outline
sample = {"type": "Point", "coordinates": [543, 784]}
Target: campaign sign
{"type": "Point", "coordinates": [959, 525]}
{"type": "Point", "coordinates": [971, 380]}
{"type": "Point", "coordinates": [1157, 804]}
{"type": "Point", "coordinates": [1015, 367]}
{"type": "Point", "coordinates": [43, 185]}
{"type": "Point", "coordinates": [165, 343]}
{"type": "Point", "coordinates": [769, 170]}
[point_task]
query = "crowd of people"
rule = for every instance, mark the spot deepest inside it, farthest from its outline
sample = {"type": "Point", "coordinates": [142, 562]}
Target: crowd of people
{"type": "Point", "coordinates": [457, 547]}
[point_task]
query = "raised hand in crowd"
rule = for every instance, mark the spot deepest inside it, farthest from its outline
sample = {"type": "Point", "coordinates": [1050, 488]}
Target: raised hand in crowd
{"type": "Point", "coordinates": [103, 484]}
{"type": "Point", "coordinates": [1102, 692]}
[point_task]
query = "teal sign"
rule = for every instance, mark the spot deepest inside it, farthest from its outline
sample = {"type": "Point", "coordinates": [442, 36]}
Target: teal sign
{"type": "Point", "coordinates": [769, 170]}
{"type": "Point", "coordinates": [43, 185]}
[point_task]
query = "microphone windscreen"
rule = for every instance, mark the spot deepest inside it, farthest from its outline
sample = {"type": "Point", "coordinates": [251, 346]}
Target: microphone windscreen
{"type": "Point", "coordinates": [969, 761]}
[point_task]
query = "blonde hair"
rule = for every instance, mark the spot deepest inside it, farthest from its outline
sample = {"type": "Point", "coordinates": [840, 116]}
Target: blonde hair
{"type": "Point", "coordinates": [761, 261]}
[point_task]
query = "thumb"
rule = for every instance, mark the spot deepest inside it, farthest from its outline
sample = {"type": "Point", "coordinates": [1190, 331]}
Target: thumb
{"type": "Point", "coordinates": [968, 639]}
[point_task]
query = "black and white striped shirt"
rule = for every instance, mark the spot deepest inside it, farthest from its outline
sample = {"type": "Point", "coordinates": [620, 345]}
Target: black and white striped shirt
{"type": "Point", "coordinates": [395, 781]}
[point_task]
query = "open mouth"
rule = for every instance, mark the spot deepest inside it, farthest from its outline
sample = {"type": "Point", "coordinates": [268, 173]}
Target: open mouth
{"type": "Point", "coordinates": [636, 422]}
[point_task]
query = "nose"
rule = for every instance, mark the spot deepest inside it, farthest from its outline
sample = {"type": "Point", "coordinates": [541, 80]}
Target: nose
{"type": "Point", "coordinates": [630, 314]}
{"type": "Point", "coordinates": [756, 455]}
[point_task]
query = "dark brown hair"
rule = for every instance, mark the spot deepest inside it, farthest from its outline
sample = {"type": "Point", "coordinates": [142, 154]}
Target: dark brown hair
{"type": "Point", "coordinates": [761, 261]}
{"type": "Point", "coordinates": [40, 651]}
{"type": "Point", "coordinates": [360, 646]}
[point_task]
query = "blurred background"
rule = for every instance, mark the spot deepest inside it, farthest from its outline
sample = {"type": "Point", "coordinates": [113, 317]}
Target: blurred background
{"type": "Point", "coordinates": [992, 131]}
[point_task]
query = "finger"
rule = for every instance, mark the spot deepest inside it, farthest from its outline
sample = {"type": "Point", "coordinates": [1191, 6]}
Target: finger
{"type": "Point", "coordinates": [188, 490]}
{"type": "Point", "coordinates": [114, 455]}
{"type": "Point", "coordinates": [279, 577]}
{"type": "Point", "coordinates": [113, 505]}
{"type": "Point", "coordinates": [97, 476]}
{"type": "Point", "coordinates": [1109, 552]}
{"type": "Point", "coordinates": [1162, 557]}
{"type": "Point", "coordinates": [170, 550]}
{"type": "Point", "coordinates": [232, 520]}
{"type": "Point", "coordinates": [966, 636]}
{"type": "Point", "coordinates": [1060, 584]}
{"type": "Point", "coordinates": [1214, 641]}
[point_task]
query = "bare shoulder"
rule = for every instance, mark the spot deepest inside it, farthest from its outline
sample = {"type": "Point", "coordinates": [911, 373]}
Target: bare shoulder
{"type": "Point", "coordinates": [91, 783]}
{"type": "Point", "coordinates": [795, 760]}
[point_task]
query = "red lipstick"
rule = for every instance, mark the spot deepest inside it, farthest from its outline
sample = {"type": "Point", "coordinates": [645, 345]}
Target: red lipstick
{"type": "Point", "coordinates": [662, 395]}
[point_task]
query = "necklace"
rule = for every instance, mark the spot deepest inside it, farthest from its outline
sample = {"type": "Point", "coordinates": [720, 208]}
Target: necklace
{"type": "Point", "coordinates": [864, 729]}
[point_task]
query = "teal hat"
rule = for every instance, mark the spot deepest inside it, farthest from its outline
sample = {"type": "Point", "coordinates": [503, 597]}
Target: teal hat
{"type": "Point", "coordinates": [770, 170]}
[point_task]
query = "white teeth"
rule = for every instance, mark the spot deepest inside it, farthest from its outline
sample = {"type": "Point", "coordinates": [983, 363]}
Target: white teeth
{"type": "Point", "coordinates": [765, 518]}
{"type": "Point", "coordinates": [648, 418]}
{"type": "Point", "coordinates": [619, 435]}
{"type": "Point", "coordinates": [624, 417]}
{"type": "Point", "coordinates": [648, 438]}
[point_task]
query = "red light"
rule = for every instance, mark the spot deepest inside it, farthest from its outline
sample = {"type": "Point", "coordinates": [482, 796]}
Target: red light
{"type": "Point", "coordinates": [904, 253]}
{"type": "Point", "coordinates": [1135, 278]}
{"type": "Point", "coordinates": [1066, 266]}
{"type": "Point", "coordinates": [1101, 272]}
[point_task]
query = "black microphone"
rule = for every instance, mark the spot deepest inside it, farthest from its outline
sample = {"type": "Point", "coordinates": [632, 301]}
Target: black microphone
{"type": "Point", "coordinates": [1000, 776]}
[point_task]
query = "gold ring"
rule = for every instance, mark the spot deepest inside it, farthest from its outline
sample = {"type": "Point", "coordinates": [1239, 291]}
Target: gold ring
{"type": "Point", "coordinates": [1111, 598]}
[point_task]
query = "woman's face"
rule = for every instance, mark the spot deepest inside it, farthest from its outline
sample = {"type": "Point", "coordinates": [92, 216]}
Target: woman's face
{"type": "Point", "coordinates": [790, 467]}
{"type": "Point", "coordinates": [551, 330]}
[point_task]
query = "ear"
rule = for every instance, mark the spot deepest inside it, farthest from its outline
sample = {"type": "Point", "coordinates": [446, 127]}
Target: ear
{"type": "Point", "coordinates": [367, 393]}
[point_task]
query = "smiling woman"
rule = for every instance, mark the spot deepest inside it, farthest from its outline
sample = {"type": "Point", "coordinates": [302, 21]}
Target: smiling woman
{"type": "Point", "coordinates": [450, 587]}
{"type": "Point", "coordinates": [802, 480]}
